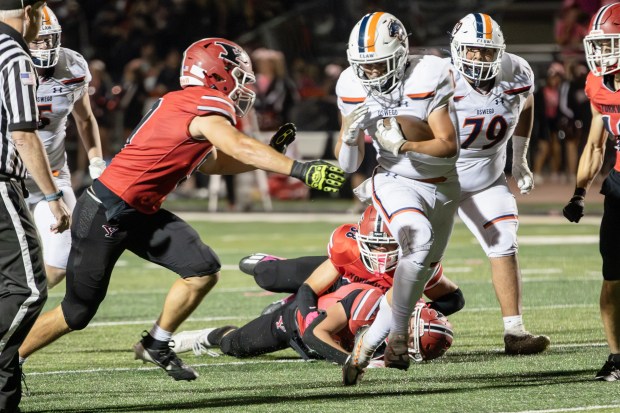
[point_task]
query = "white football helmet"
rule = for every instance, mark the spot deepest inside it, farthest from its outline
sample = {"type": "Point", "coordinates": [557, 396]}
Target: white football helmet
{"type": "Point", "coordinates": [479, 31]}
{"type": "Point", "coordinates": [379, 38]}
{"type": "Point", "coordinates": [602, 44]}
{"type": "Point", "coordinates": [373, 236]}
{"type": "Point", "coordinates": [45, 49]}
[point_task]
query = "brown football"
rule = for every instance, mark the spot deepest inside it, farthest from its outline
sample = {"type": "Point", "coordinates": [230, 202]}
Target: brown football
{"type": "Point", "coordinates": [413, 128]}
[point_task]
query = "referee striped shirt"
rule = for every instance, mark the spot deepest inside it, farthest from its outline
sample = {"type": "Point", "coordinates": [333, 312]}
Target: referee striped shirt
{"type": "Point", "coordinates": [18, 98]}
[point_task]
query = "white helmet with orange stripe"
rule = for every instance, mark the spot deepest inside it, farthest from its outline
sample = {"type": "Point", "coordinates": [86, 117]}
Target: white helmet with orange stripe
{"type": "Point", "coordinates": [477, 46]}
{"type": "Point", "coordinates": [378, 41]}
{"type": "Point", "coordinates": [45, 49]}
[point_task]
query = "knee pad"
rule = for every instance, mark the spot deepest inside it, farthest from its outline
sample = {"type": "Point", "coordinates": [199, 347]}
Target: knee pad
{"type": "Point", "coordinates": [500, 239]}
{"type": "Point", "coordinates": [78, 314]}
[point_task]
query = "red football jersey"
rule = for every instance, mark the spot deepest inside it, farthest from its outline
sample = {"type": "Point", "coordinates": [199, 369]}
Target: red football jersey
{"type": "Point", "coordinates": [160, 153]}
{"type": "Point", "coordinates": [607, 102]}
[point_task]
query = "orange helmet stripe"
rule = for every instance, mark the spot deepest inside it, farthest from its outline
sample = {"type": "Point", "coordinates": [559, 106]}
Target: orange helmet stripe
{"type": "Point", "coordinates": [46, 15]}
{"type": "Point", "coordinates": [372, 29]}
{"type": "Point", "coordinates": [488, 27]}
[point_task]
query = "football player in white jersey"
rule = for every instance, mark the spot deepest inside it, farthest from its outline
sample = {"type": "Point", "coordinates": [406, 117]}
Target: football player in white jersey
{"type": "Point", "coordinates": [493, 102]}
{"type": "Point", "coordinates": [63, 90]}
{"type": "Point", "coordinates": [415, 187]}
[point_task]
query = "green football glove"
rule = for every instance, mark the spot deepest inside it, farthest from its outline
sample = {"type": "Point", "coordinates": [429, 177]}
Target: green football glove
{"type": "Point", "coordinates": [283, 137]}
{"type": "Point", "coordinates": [319, 175]}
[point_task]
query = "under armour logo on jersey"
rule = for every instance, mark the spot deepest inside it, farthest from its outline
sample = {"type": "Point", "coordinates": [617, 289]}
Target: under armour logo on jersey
{"type": "Point", "coordinates": [109, 230]}
{"type": "Point", "coordinates": [499, 101]}
{"type": "Point", "coordinates": [56, 90]}
{"type": "Point", "coordinates": [280, 324]}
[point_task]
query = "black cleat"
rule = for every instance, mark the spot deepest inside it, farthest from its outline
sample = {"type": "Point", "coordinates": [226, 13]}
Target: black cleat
{"type": "Point", "coordinates": [609, 372]}
{"type": "Point", "coordinates": [166, 359]}
{"type": "Point", "coordinates": [247, 264]}
{"type": "Point", "coordinates": [526, 343]}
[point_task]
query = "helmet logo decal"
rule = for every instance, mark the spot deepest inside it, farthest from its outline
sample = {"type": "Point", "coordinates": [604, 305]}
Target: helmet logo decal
{"type": "Point", "coordinates": [231, 54]}
{"type": "Point", "coordinates": [395, 29]}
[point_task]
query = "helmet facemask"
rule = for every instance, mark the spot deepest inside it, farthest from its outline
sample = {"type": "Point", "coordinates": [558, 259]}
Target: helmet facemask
{"type": "Point", "coordinates": [602, 52]}
{"type": "Point", "coordinates": [378, 249]}
{"type": "Point", "coordinates": [477, 70]}
{"type": "Point", "coordinates": [242, 96]}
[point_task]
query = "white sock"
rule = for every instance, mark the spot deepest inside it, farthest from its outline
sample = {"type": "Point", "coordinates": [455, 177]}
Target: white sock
{"type": "Point", "coordinates": [514, 325]}
{"type": "Point", "coordinates": [160, 334]}
{"type": "Point", "coordinates": [380, 328]}
{"type": "Point", "coordinates": [22, 360]}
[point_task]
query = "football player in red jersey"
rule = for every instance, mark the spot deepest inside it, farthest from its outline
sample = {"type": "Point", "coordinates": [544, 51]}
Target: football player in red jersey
{"type": "Point", "coordinates": [184, 131]}
{"type": "Point", "coordinates": [345, 290]}
{"type": "Point", "coordinates": [602, 47]}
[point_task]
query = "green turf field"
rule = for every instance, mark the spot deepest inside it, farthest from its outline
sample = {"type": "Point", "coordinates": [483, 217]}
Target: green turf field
{"type": "Point", "coordinates": [94, 370]}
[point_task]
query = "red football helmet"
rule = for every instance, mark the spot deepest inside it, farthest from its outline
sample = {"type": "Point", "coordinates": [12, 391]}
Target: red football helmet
{"type": "Point", "coordinates": [431, 334]}
{"type": "Point", "coordinates": [602, 44]}
{"type": "Point", "coordinates": [222, 65]}
{"type": "Point", "coordinates": [378, 249]}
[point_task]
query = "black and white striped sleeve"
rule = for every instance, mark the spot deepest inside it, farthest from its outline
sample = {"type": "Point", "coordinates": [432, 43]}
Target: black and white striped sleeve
{"type": "Point", "coordinates": [19, 81]}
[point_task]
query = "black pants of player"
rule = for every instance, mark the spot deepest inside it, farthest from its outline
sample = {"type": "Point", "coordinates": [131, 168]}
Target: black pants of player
{"type": "Point", "coordinates": [161, 238]}
{"type": "Point", "coordinates": [23, 287]}
{"type": "Point", "coordinates": [265, 334]}
{"type": "Point", "coordinates": [610, 227]}
{"type": "Point", "coordinates": [286, 276]}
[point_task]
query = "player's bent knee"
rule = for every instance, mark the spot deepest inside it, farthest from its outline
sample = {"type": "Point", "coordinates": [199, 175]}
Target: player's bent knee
{"type": "Point", "coordinates": [54, 276]}
{"type": "Point", "coordinates": [78, 315]}
{"type": "Point", "coordinates": [202, 283]}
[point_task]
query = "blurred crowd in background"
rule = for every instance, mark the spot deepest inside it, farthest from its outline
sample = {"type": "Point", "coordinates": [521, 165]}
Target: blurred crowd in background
{"type": "Point", "coordinates": [298, 48]}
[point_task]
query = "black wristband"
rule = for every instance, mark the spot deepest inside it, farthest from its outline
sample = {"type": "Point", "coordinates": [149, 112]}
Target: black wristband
{"type": "Point", "coordinates": [53, 197]}
{"type": "Point", "coordinates": [297, 171]}
{"type": "Point", "coordinates": [580, 192]}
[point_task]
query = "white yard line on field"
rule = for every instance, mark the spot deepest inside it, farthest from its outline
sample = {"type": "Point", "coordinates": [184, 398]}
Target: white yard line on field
{"type": "Point", "coordinates": [569, 409]}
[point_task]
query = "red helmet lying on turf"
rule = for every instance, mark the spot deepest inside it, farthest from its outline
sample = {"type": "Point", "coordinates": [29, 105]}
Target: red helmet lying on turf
{"type": "Point", "coordinates": [430, 334]}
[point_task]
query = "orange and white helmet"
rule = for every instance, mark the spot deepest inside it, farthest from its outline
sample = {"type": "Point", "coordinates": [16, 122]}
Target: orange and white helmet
{"type": "Point", "coordinates": [45, 49]}
{"type": "Point", "coordinates": [602, 44]}
{"type": "Point", "coordinates": [479, 31]}
{"type": "Point", "coordinates": [379, 38]}
{"type": "Point", "coordinates": [378, 249]}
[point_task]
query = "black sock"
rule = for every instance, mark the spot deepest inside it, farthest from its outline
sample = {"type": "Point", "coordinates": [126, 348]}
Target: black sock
{"type": "Point", "coordinates": [150, 342]}
{"type": "Point", "coordinates": [215, 337]}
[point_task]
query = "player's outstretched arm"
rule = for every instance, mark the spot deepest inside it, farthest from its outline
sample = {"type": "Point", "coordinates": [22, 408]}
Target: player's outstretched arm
{"type": "Point", "coordinates": [245, 154]}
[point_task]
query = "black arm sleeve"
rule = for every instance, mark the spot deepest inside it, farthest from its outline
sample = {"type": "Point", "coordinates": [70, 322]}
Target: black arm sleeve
{"type": "Point", "coordinates": [307, 300]}
{"type": "Point", "coordinates": [449, 303]}
{"type": "Point", "coordinates": [325, 350]}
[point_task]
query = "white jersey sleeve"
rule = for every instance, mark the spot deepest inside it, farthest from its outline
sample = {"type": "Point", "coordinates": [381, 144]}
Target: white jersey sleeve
{"type": "Point", "coordinates": [427, 86]}
{"type": "Point", "coordinates": [488, 120]}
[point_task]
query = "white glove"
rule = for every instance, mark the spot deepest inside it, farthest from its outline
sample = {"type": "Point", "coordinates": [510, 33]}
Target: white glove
{"type": "Point", "coordinates": [364, 192]}
{"type": "Point", "coordinates": [520, 170]}
{"type": "Point", "coordinates": [351, 125]}
{"type": "Point", "coordinates": [390, 139]}
{"type": "Point", "coordinates": [96, 167]}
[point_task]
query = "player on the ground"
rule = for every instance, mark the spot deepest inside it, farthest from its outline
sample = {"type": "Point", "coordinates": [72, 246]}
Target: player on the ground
{"type": "Point", "coordinates": [184, 131]}
{"type": "Point", "coordinates": [602, 47]}
{"type": "Point", "coordinates": [493, 103]}
{"type": "Point", "coordinates": [363, 254]}
{"type": "Point", "coordinates": [415, 188]}
{"type": "Point", "coordinates": [63, 90]}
